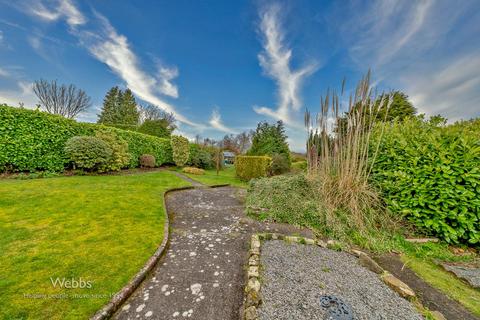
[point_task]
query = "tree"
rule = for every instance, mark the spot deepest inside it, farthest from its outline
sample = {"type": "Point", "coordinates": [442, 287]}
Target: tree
{"type": "Point", "coordinates": [119, 109]}
{"type": "Point", "coordinates": [156, 122]}
{"type": "Point", "coordinates": [111, 106]}
{"type": "Point", "coordinates": [67, 101]}
{"type": "Point", "coordinates": [239, 143]}
{"type": "Point", "coordinates": [158, 128]}
{"type": "Point", "coordinates": [399, 109]}
{"type": "Point", "coordinates": [129, 114]}
{"type": "Point", "coordinates": [270, 139]}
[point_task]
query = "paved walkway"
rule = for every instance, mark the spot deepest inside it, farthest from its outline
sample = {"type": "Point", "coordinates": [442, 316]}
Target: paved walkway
{"type": "Point", "coordinates": [202, 274]}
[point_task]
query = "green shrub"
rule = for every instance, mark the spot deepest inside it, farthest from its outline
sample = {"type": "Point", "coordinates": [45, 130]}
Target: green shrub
{"type": "Point", "coordinates": [180, 150]}
{"type": "Point", "coordinates": [280, 164]}
{"type": "Point", "coordinates": [199, 157]}
{"type": "Point", "coordinates": [158, 128]}
{"type": "Point", "coordinates": [286, 199]}
{"type": "Point", "coordinates": [32, 140]}
{"type": "Point", "coordinates": [249, 167]}
{"type": "Point", "coordinates": [431, 175]}
{"type": "Point", "coordinates": [120, 156]}
{"type": "Point", "coordinates": [147, 161]}
{"type": "Point", "coordinates": [89, 153]}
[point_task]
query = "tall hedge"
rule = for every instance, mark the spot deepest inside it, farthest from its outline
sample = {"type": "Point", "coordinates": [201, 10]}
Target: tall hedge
{"type": "Point", "coordinates": [431, 175]}
{"type": "Point", "coordinates": [33, 140]}
{"type": "Point", "coordinates": [249, 167]}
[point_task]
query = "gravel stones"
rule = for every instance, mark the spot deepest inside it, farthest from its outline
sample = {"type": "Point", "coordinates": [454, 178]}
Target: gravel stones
{"type": "Point", "coordinates": [296, 276]}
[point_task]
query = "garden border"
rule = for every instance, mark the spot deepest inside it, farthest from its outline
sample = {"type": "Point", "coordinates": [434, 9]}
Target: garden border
{"type": "Point", "coordinates": [121, 296]}
{"type": "Point", "coordinates": [253, 298]}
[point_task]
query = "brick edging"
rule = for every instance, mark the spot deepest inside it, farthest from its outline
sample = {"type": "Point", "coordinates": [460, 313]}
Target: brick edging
{"type": "Point", "coordinates": [121, 296]}
{"type": "Point", "coordinates": [253, 298]}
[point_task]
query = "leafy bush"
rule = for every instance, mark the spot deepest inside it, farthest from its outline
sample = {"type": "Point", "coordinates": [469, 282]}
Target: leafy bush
{"type": "Point", "coordinates": [159, 128]}
{"type": "Point", "coordinates": [90, 153]}
{"type": "Point", "coordinates": [32, 140]}
{"type": "Point", "coordinates": [147, 161]}
{"type": "Point", "coordinates": [120, 156]}
{"type": "Point", "coordinates": [286, 199]}
{"type": "Point", "coordinates": [279, 164]}
{"type": "Point", "coordinates": [193, 170]}
{"type": "Point", "coordinates": [199, 157]}
{"type": "Point", "coordinates": [431, 174]}
{"type": "Point", "coordinates": [249, 167]}
{"type": "Point", "coordinates": [180, 149]}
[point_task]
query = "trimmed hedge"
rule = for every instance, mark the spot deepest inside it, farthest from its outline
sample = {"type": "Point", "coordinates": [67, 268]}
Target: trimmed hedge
{"type": "Point", "coordinates": [431, 175]}
{"type": "Point", "coordinates": [180, 150]}
{"type": "Point", "coordinates": [32, 140]}
{"type": "Point", "coordinates": [249, 167]}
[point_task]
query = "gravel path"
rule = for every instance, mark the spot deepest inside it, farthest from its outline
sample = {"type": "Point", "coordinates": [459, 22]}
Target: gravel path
{"type": "Point", "coordinates": [295, 276]}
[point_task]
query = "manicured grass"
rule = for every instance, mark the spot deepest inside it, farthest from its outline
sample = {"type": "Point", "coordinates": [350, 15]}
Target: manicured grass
{"type": "Point", "coordinates": [100, 229]}
{"type": "Point", "coordinates": [227, 175]}
{"type": "Point", "coordinates": [446, 282]}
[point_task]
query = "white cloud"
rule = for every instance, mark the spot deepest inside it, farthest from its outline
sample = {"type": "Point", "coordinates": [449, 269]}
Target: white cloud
{"type": "Point", "coordinates": [113, 49]}
{"type": "Point", "coordinates": [57, 10]}
{"type": "Point", "coordinates": [216, 122]}
{"type": "Point", "coordinates": [22, 93]}
{"type": "Point", "coordinates": [275, 60]}
{"type": "Point", "coordinates": [452, 92]}
{"type": "Point", "coordinates": [423, 48]}
{"type": "Point", "coordinates": [166, 87]}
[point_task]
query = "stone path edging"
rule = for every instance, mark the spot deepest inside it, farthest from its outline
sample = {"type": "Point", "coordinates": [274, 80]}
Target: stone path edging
{"type": "Point", "coordinates": [121, 296]}
{"type": "Point", "coordinates": [253, 297]}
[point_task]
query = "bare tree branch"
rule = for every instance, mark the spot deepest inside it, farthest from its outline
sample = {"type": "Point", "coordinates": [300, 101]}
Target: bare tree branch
{"type": "Point", "coordinates": [65, 101]}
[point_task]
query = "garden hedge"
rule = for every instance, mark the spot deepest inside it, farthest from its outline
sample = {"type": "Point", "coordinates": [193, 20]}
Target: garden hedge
{"type": "Point", "coordinates": [431, 174]}
{"type": "Point", "coordinates": [249, 167]}
{"type": "Point", "coordinates": [32, 140]}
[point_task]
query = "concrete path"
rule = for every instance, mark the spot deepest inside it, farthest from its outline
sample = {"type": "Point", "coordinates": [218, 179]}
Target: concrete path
{"type": "Point", "coordinates": [202, 274]}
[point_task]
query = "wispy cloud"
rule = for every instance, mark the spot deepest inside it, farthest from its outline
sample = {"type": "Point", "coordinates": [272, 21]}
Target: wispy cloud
{"type": "Point", "coordinates": [114, 50]}
{"type": "Point", "coordinates": [422, 47]}
{"type": "Point", "coordinates": [60, 9]}
{"type": "Point", "coordinates": [105, 44]}
{"type": "Point", "coordinates": [275, 61]}
{"type": "Point", "coordinates": [166, 87]}
{"type": "Point", "coordinates": [217, 124]}
{"type": "Point", "coordinates": [452, 92]}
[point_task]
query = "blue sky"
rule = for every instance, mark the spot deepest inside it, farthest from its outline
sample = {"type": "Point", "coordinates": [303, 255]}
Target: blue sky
{"type": "Point", "coordinates": [223, 66]}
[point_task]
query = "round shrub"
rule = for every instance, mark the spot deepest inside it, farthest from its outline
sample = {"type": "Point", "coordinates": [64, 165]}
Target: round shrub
{"type": "Point", "coordinates": [120, 156]}
{"type": "Point", "coordinates": [88, 153]}
{"type": "Point", "coordinates": [180, 149]}
{"type": "Point", "coordinates": [200, 158]}
{"type": "Point", "coordinates": [147, 161]}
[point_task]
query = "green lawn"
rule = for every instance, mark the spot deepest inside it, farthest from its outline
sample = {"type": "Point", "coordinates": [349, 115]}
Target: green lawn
{"type": "Point", "coordinates": [100, 229]}
{"type": "Point", "coordinates": [446, 282]}
{"type": "Point", "coordinates": [227, 175]}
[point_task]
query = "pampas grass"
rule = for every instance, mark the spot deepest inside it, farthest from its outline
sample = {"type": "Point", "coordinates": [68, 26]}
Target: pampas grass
{"type": "Point", "coordinates": [340, 156]}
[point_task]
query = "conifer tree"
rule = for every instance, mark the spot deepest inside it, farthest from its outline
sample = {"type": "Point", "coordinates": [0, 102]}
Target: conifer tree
{"type": "Point", "coordinates": [129, 114]}
{"type": "Point", "coordinates": [111, 107]}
